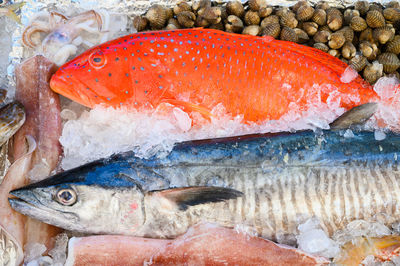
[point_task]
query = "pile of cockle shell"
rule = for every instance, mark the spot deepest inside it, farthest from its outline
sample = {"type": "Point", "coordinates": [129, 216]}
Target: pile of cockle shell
{"type": "Point", "coordinates": [365, 36]}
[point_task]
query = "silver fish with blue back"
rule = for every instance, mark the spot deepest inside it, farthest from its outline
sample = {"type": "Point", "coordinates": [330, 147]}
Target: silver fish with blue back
{"type": "Point", "coordinates": [269, 182]}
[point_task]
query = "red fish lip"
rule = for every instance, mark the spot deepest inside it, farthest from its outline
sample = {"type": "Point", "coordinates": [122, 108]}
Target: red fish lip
{"type": "Point", "coordinates": [66, 88]}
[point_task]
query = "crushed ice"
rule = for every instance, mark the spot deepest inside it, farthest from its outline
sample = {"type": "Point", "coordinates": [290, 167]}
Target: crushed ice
{"type": "Point", "coordinates": [348, 75]}
{"type": "Point", "coordinates": [56, 257]}
{"type": "Point", "coordinates": [104, 131]}
{"type": "Point", "coordinates": [313, 240]}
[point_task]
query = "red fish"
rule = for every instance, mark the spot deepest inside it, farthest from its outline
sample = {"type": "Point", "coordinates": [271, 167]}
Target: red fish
{"type": "Point", "coordinates": [197, 69]}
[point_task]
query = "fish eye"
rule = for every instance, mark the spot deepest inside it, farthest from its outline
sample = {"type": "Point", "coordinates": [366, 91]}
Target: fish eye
{"type": "Point", "coordinates": [66, 196]}
{"type": "Point", "coordinates": [97, 59]}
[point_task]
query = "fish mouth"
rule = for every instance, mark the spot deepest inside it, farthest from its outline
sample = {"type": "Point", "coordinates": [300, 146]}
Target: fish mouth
{"type": "Point", "coordinates": [72, 88]}
{"type": "Point", "coordinates": [26, 203]}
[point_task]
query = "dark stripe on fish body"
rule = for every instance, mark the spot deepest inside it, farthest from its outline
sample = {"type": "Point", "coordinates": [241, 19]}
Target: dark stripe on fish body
{"type": "Point", "coordinates": [361, 186]}
{"type": "Point", "coordinates": [258, 207]}
{"type": "Point", "coordinates": [282, 203]}
{"type": "Point", "coordinates": [353, 195]}
{"type": "Point", "coordinates": [307, 195]}
{"type": "Point", "coordinates": [323, 189]}
{"type": "Point", "coordinates": [342, 195]}
{"type": "Point", "coordinates": [243, 200]}
{"type": "Point", "coordinates": [371, 192]}
{"type": "Point", "coordinates": [392, 188]}
{"type": "Point", "coordinates": [382, 187]}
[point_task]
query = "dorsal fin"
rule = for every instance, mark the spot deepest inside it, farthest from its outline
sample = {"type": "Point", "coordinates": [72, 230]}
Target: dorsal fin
{"type": "Point", "coordinates": [355, 116]}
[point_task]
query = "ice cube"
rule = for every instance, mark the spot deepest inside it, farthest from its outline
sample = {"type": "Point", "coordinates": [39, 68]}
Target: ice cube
{"type": "Point", "coordinates": [315, 241]}
{"type": "Point", "coordinates": [379, 135]}
{"type": "Point", "coordinates": [348, 75]}
{"type": "Point", "coordinates": [348, 134]}
{"type": "Point", "coordinates": [183, 119]}
{"type": "Point", "coordinates": [33, 251]}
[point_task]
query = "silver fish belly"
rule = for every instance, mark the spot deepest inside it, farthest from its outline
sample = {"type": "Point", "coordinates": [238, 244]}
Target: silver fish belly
{"type": "Point", "coordinates": [270, 183]}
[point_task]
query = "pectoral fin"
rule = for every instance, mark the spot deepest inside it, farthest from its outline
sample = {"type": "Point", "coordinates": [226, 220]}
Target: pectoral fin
{"type": "Point", "coordinates": [355, 116]}
{"type": "Point", "coordinates": [189, 107]}
{"type": "Point", "coordinates": [191, 196]}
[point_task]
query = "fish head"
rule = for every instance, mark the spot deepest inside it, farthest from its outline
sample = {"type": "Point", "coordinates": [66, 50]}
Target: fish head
{"type": "Point", "coordinates": [113, 74]}
{"type": "Point", "coordinates": [85, 199]}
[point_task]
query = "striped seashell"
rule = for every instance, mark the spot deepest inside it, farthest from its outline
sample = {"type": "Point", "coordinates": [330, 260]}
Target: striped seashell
{"type": "Point", "coordinates": [367, 35]}
{"type": "Point", "coordinates": [182, 6]}
{"type": "Point", "coordinates": [140, 23]}
{"type": "Point", "coordinates": [311, 28]}
{"type": "Point", "coordinates": [235, 8]}
{"type": "Point", "coordinates": [211, 14]}
{"type": "Point", "coordinates": [186, 19]}
{"type": "Point", "coordinates": [390, 62]}
{"type": "Point", "coordinates": [252, 18]}
{"type": "Point", "coordinates": [349, 14]}
{"type": "Point", "coordinates": [218, 26]}
{"type": "Point", "coordinates": [321, 46]}
{"type": "Point", "coordinates": [348, 33]}
{"type": "Point", "coordinates": [304, 13]}
{"type": "Point", "coordinates": [372, 72]}
{"type": "Point", "coordinates": [391, 14]}
{"type": "Point", "coordinates": [374, 6]}
{"type": "Point", "coordinates": [299, 4]}
{"type": "Point", "coordinates": [173, 24]}
{"type": "Point", "coordinates": [394, 45]}
{"type": "Point", "coordinates": [358, 62]}
{"type": "Point", "coordinates": [362, 7]}
{"type": "Point", "coordinates": [348, 50]}
{"type": "Point", "coordinates": [334, 18]}
{"type": "Point", "coordinates": [269, 20]}
{"type": "Point", "coordinates": [369, 50]}
{"type": "Point", "coordinates": [288, 34]}
{"type": "Point", "coordinates": [201, 4]}
{"type": "Point", "coordinates": [234, 24]}
{"type": "Point", "coordinates": [273, 29]}
{"type": "Point", "coordinates": [383, 34]}
{"type": "Point", "coordinates": [323, 5]}
{"type": "Point", "coordinates": [256, 5]}
{"type": "Point", "coordinates": [375, 19]}
{"type": "Point", "coordinates": [288, 19]}
{"type": "Point", "coordinates": [334, 53]}
{"type": "Point", "coordinates": [157, 16]}
{"type": "Point", "coordinates": [337, 40]}
{"type": "Point", "coordinates": [201, 22]}
{"type": "Point", "coordinates": [358, 24]}
{"type": "Point", "coordinates": [393, 4]}
{"type": "Point", "coordinates": [319, 17]}
{"type": "Point", "coordinates": [265, 11]}
{"type": "Point", "coordinates": [252, 30]}
{"type": "Point", "coordinates": [302, 36]}
{"type": "Point", "coordinates": [322, 36]}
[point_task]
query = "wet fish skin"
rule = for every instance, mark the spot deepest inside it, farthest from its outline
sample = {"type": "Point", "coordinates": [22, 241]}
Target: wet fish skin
{"type": "Point", "coordinates": [12, 117]}
{"type": "Point", "coordinates": [285, 179]}
{"type": "Point", "coordinates": [197, 69]}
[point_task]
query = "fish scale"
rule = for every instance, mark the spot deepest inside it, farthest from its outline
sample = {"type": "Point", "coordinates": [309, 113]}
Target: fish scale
{"type": "Point", "coordinates": [197, 69]}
